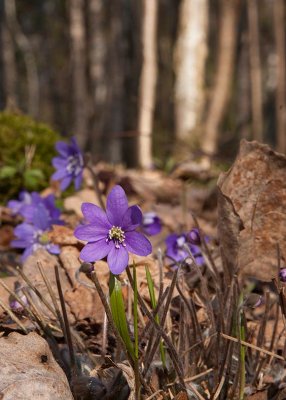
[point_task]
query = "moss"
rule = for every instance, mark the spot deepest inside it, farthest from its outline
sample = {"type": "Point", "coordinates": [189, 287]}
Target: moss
{"type": "Point", "coordinates": [19, 136]}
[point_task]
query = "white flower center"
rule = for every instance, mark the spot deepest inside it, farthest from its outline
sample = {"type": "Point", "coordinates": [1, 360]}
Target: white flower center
{"type": "Point", "coordinates": [116, 234]}
{"type": "Point", "coordinates": [75, 164]}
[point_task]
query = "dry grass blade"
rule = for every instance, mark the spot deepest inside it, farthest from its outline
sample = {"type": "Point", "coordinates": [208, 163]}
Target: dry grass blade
{"type": "Point", "coordinates": [13, 316]}
{"type": "Point", "coordinates": [252, 346]}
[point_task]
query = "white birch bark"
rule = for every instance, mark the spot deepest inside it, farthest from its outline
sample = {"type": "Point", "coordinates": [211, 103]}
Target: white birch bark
{"type": "Point", "coordinates": [148, 81]}
{"type": "Point", "coordinates": [189, 61]}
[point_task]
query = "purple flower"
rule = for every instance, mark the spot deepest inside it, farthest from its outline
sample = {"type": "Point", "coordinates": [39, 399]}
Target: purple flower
{"type": "Point", "coordinates": [151, 224]}
{"type": "Point", "coordinates": [16, 206]}
{"type": "Point", "coordinates": [112, 233]}
{"type": "Point", "coordinates": [175, 248]}
{"type": "Point", "coordinates": [32, 236]}
{"type": "Point", "coordinates": [69, 164]}
{"type": "Point", "coordinates": [282, 274]}
{"type": "Point", "coordinates": [194, 237]}
{"type": "Point", "coordinates": [28, 202]}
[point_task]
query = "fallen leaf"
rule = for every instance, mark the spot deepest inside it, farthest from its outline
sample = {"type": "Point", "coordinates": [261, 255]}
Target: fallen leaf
{"type": "Point", "coordinates": [255, 188]}
{"type": "Point", "coordinates": [28, 370]}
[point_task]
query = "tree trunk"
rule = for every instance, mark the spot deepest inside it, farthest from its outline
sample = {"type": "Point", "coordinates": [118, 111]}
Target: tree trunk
{"type": "Point", "coordinates": [255, 70]}
{"type": "Point", "coordinates": [224, 74]}
{"type": "Point", "coordinates": [97, 59]}
{"type": "Point", "coordinates": [78, 61]}
{"type": "Point", "coordinates": [279, 27]}
{"type": "Point", "coordinates": [147, 83]}
{"type": "Point", "coordinates": [28, 55]}
{"type": "Point", "coordinates": [190, 58]}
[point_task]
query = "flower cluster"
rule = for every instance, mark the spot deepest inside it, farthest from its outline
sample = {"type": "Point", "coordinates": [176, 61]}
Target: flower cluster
{"type": "Point", "coordinates": [27, 203]}
{"type": "Point", "coordinates": [176, 250]}
{"type": "Point", "coordinates": [33, 235]}
{"type": "Point", "coordinates": [112, 233]}
{"type": "Point", "coordinates": [69, 164]}
{"type": "Point", "coordinates": [39, 214]}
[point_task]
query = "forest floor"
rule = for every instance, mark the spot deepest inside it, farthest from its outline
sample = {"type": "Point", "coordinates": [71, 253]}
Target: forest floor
{"type": "Point", "coordinates": [210, 325]}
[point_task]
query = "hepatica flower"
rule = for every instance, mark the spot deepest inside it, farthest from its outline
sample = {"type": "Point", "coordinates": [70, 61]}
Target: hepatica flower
{"type": "Point", "coordinates": [69, 164]}
{"type": "Point", "coordinates": [175, 248]}
{"type": "Point", "coordinates": [28, 202]}
{"type": "Point", "coordinates": [151, 223]}
{"type": "Point", "coordinates": [112, 233]}
{"type": "Point", "coordinates": [33, 236]}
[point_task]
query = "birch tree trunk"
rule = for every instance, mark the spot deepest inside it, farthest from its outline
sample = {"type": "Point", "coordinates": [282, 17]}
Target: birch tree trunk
{"type": "Point", "coordinates": [78, 61]}
{"type": "Point", "coordinates": [148, 81]}
{"type": "Point", "coordinates": [189, 58]}
{"type": "Point", "coordinates": [224, 73]}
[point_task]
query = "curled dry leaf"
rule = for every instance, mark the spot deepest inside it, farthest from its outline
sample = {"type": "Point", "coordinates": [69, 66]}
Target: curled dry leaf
{"type": "Point", "coordinates": [252, 211]}
{"type": "Point", "coordinates": [28, 370]}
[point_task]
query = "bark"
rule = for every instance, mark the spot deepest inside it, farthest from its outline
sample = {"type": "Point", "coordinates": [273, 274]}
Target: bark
{"type": "Point", "coordinates": [255, 70]}
{"type": "Point", "coordinates": [190, 58]}
{"type": "Point", "coordinates": [97, 58]}
{"type": "Point", "coordinates": [147, 83]}
{"type": "Point", "coordinates": [80, 98]}
{"type": "Point", "coordinates": [9, 68]}
{"type": "Point", "coordinates": [279, 28]}
{"type": "Point", "coordinates": [25, 47]}
{"type": "Point", "coordinates": [224, 73]}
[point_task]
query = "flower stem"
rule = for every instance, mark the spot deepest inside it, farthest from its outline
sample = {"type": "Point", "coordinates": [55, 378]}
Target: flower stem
{"type": "Point", "coordinates": [96, 186]}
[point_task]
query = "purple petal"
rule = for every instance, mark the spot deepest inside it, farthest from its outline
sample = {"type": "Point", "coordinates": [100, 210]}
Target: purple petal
{"type": "Point", "coordinates": [171, 240]}
{"type": "Point", "coordinates": [59, 162]}
{"type": "Point", "coordinates": [95, 251]}
{"type": "Point", "coordinates": [65, 182]}
{"type": "Point", "coordinates": [153, 228]}
{"type": "Point", "coordinates": [41, 217]}
{"type": "Point", "coordinates": [60, 174]}
{"type": "Point", "coordinates": [20, 243]}
{"type": "Point", "coordinates": [116, 205]}
{"type": "Point", "coordinates": [117, 259]}
{"type": "Point", "coordinates": [90, 233]}
{"type": "Point", "coordinates": [29, 251]}
{"type": "Point", "coordinates": [78, 181]}
{"type": "Point", "coordinates": [27, 212]}
{"type": "Point", "coordinates": [25, 231]}
{"type": "Point", "coordinates": [137, 243]}
{"type": "Point", "coordinates": [74, 145]}
{"type": "Point", "coordinates": [95, 215]}
{"type": "Point", "coordinates": [132, 218]}
{"type": "Point", "coordinates": [53, 248]}
{"type": "Point", "coordinates": [63, 149]}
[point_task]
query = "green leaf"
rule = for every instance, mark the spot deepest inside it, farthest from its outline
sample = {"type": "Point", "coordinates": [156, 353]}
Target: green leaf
{"type": "Point", "coordinates": [118, 312]}
{"type": "Point", "coordinates": [7, 172]}
{"type": "Point", "coordinates": [135, 312]}
{"type": "Point", "coordinates": [33, 177]}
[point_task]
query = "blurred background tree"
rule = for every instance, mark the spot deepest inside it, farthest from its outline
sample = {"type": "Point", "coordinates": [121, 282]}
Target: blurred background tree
{"type": "Point", "coordinates": [145, 81]}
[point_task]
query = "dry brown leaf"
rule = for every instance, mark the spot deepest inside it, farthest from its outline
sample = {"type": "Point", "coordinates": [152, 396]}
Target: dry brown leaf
{"type": "Point", "coordinates": [256, 188]}
{"type": "Point", "coordinates": [28, 370]}
{"type": "Point", "coordinates": [62, 235]}
{"type": "Point", "coordinates": [73, 203]}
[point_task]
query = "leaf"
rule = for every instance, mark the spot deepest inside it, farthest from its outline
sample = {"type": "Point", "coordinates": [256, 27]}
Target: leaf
{"type": "Point", "coordinates": [252, 211]}
{"type": "Point", "coordinates": [28, 370]}
{"type": "Point", "coordinates": [118, 312]}
{"type": "Point", "coordinates": [32, 177]}
{"type": "Point", "coordinates": [7, 172]}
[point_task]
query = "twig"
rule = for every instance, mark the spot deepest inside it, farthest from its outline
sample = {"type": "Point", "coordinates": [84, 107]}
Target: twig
{"type": "Point", "coordinates": [13, 316]}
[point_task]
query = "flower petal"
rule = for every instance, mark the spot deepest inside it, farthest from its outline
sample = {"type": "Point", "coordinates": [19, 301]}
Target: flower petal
{"type": "Point", "coordinates": [132, 218]}
{"type": "Point", "coordinates": [29, 251]}
{"type": "Point", "coordinates": [53, 248]}
{"type": "Point", "coordinates": [137, 243]}
{"type": "Point", "coordinates": [95, 215]}
{"type": "Point", "coordinates": [41, 217]}
{"type": "Point", "coordinates": [116, 205]}
{"type": "Point", "coordinates": [63, 148]}
{"type": "Point", "coordinates": [25, 231]}
{"type": "Point", "coordinates": [59, 162]}
{"type": "Point", "coordinates": [90, 233]}
{"type": "Point", "coordinates": [59, 174]}
{"type": "Point", "coordinates": [78, 181]}
{"type": "Point", "coordinates": [117, 259]}
{"type": "Point", "coordinates": [95, 251]}
{"type": "Point", "coordinates": [65, 182]}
